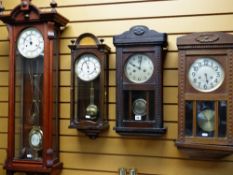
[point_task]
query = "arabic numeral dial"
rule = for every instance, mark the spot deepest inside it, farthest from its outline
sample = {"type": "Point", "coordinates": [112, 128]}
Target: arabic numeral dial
{"type": "Point", "coordinates": [139, 68]}
{"type": "Point", "coordinates": [205, 75]}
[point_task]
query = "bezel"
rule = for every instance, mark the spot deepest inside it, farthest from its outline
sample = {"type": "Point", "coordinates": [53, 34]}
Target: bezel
{"type": "Point", "coordinates": [36, 131]}
{"type": "Point", "coordinates": [30, 31]}
{"type": "Point", "coordinates": [83, 76]}
{"type": "Point", "coordinates": [215, 86]}
{"type": "Point", "coordinates": [130, 77]}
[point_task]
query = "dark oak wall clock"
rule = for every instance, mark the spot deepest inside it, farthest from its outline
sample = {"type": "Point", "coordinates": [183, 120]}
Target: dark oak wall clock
{"type": "Point", "coordinates": [89, 88]}
{"type": "Point", "coordinates": [139, 57]}
{"type": "Point", "coordinates": [33, 89]}
{"type": "Point", "coordinates": [206, 94]}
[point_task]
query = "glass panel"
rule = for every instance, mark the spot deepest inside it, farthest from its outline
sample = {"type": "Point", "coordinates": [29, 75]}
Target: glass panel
{"type": "Point", "coordinates": [189, 118]}
{"type": "Point", "coordinates": [86, 98]}
{"type": "Point", "coordinates": [222, 113]}
{"type": "Point", "coordinates": [28, 95]}
{"type": "Point", "coordinates": [139, 105]}
{"type": "Point", "coordinates": [28, 108]}
{"type": "Point", "coordinates": [205, 118]}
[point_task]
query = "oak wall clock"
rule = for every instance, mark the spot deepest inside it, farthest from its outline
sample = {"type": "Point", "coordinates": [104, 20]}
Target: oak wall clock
{"type": "Point", "coordinates": [206, 94]}
{"type": "Point", "coordinates": [33, 89]}
{"type": "Point", "coordinates": [89, 88]}
{"type": "Point", "coordinates": [139, 57]}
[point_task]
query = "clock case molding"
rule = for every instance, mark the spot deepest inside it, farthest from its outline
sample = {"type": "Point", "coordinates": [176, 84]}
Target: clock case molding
{"type": "Point", "coordinates": [78, 48]}
{"type": "Point", "coordinates": [212, 45]}
{"type": "Point", "coordinates": [140, 40]}
{"type": "Point", "coordinates": [24, 16]}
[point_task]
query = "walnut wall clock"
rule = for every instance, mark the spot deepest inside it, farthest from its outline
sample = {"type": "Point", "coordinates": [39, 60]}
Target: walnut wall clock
{"type": "Point", "coordinates": [89, 89]}
{"type": "Point", "coordinates": [206, 94]}
{"type": "Point", "coordinates": [33, 89]}
{"type": "Point", "coordinates": [139, 54]}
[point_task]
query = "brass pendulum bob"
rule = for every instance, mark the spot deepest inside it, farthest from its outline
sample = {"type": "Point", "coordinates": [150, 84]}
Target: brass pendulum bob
{"type": "Point", "coordinates": [92, 109]}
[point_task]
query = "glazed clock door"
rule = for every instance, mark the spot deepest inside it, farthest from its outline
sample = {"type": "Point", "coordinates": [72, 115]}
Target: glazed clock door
{"type": "Point", "coordinates": [29, 71]}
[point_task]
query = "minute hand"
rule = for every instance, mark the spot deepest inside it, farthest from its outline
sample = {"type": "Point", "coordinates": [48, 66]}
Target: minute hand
{"type": "Point", "coordinates": [134, 65]}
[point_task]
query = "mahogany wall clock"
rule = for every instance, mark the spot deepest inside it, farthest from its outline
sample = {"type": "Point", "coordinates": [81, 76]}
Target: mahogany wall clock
{"type": "Point", "coordinates": [206, 94]}
{"type": "Point", "coordinates": [33, 89]}
{"type": "Point", "coordinates": [89, 88]}
{"type": "Point", "coordinates": [139, 57]}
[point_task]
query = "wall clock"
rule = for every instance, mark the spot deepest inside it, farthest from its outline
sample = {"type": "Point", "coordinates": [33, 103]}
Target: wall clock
{"type": "Point", "coordinates": [205, 94]}
{"type": "Point", "coordinates": [33, 135]}
{"type": "Point", "coordinates": [89, 89]}
{"type": "Point", "coordinates": [139, 54]}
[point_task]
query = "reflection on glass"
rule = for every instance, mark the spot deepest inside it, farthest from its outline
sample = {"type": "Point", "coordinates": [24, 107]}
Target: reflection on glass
{"type": "Point", "coordinates": [205, 118]}
{"type": "Point", "coordinates": [28, 108]}
{"type": "Point", "coordinates": [86, 99]}
{"type": "Point", "coordinates": [139, 105]}
{"type": "Point", "coordinates": [189, 118]}
{"type": "Point", "coordinates": [222, 112]}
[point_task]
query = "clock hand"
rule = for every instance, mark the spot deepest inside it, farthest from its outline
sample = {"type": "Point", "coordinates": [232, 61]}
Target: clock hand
{"type": "Point", "coordinates": [207, 81]}
{"type": "Point", "coordinates": [140, 65]}
{"type": "Point", "coordinates": [134, 65]}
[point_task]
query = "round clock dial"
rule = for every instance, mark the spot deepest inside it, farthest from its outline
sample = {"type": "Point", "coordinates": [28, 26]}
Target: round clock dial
{"type": "Point", "coordinates": [30, 43]}
{"type": "Point", "coordinates": [88, 67]}
{"type": "Point", "coordinates": [35, 138]}
{"type": "Point", "coordinates": [206, 75]}
{"type": "Point", "coordinates": [139, 68]}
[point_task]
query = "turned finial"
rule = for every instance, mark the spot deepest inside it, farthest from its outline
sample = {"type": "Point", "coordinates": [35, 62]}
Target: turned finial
{"type": "Point", "coordinates": [53, 5]}
{"type": "Point", "coordinates": [1, 8]}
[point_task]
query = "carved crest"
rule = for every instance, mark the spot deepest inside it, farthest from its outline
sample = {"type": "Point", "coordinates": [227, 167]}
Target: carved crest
{"type": "Point", "coordinates": [207, 38]}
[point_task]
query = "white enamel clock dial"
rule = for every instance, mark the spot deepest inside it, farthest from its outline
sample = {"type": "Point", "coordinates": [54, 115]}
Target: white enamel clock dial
{"type": "Point", "coordinates": [139, 68]}
{"type": "Point", "coordinates": [205, 75]}
{"type": "Point", "coordinates": [30, 43]}
{"type": "Point", "coordinates": [88, 67]}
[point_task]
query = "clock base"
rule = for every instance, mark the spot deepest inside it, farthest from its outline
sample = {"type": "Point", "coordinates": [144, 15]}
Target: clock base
{"type": "Point", "coordinates": [90, 128]}
{"type": "Point", "coordinates": [33, 168]}
{"type": "Point", "coordinates": [204, 151]}
{"type": "Point", "coordinates": [140, 131]}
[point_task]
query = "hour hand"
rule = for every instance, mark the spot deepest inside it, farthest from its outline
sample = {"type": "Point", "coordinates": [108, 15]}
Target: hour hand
{"type": "Point", "coordinates": [206, 77]}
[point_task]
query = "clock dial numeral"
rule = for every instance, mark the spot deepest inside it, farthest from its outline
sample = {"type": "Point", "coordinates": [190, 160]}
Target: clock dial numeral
{"type": "Point", "coordinates": [30, 43]}
{"type": "Point", "coordinates": [139, 68]}
{"type": "Point", "coordinates": [206, 75]}
{"type": "Point", "coordinates": [88, 67]}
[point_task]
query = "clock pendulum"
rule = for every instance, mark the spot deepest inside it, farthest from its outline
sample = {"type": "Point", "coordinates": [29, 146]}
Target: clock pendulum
{"type": "Point", "coordinates": [92, 109]}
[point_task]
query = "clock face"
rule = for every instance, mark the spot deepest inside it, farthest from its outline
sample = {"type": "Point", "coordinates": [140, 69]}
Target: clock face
{"type": "Point", "coordinates": [35, 138]}
{"type": "Point", "coordinates": [30, 43]}
{"type": "Point", "coordinates": [205, 75]}
{"type": "Point", "coordinates": [87, 67]}
{"type": "Point", "coordinates": [139, 68]}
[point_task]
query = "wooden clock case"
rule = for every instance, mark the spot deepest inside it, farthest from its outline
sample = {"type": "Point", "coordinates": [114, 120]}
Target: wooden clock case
{"type": "Point", "coordinates": [217, 46]}
{"type": "Point", "coordinates": [80, 90]}
{"type": "Point", "coordinates": [140, 40]}
{"type": "Point", "coordinates": [25, 16]}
